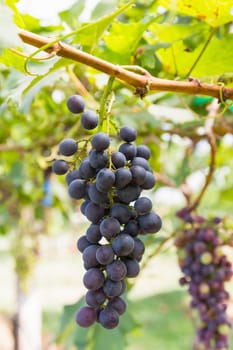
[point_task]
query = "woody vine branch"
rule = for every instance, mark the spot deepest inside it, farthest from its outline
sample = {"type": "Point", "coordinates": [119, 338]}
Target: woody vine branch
{"type": "Point", "coordinates": [142, 82]}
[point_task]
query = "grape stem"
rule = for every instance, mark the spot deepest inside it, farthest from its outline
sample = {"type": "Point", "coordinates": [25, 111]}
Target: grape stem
{"type": "Point", "coordinates": [213, 149]}
{"type": "Point", "coordinates": [138, 81]}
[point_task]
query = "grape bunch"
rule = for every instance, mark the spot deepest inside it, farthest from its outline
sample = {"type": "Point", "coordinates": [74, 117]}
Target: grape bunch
{"type": "Point", "coordinates": [205, 269]}
{"type": "Point", "coordinates": [110, 184]}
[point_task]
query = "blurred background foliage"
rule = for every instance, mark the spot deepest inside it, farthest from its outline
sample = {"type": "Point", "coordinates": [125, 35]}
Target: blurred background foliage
{"type": "Point", "coordinates": [170, 39]}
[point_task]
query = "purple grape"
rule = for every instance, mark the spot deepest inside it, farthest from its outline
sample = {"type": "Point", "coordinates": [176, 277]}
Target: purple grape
{"type": "Point", "coordinates": [118, 304]}
{"type": "Point", "coordinates": [121, 212]}
{"type": "Point", "coordinates": [118, 159]}
{"type": "Point", "coordinates": [95, 298]}
{"type": "Point", "coordinates": [150, 223]}
{"type": "Point", "coordinates": [123, 177]}
{"type": "Point", "coordinates": [89, 120]}
{"type": "Point", "coordinates": [60, 167]}
{"type": "Point", "coordinates": [110, 227]}
{"type": "Point", "coordinates": [76, 104]}
{"type": "Point", "coordinates": [123, 244]}
{"type": "Point", "coordinates": [93, 279]}
{"type": "Point", "coordinates": [128, 149]}
{"type": "Point", "coordinates": [82, 243]}
{"type": "Point", "coordinates": [108, 318]}
{"type": "Point", "coordinates": [86, 316]}
{"type": "Point", "coordinates": [68, 147]}
{"type": "Point", "coordinates": [143, 205]}
{"type": "Point", "coordinates": [77, 189]}
{"type": "Point", "coordinates": [93, 234]}
{"type": "Point", "coordinates": [143, 151]}
{"type": "Point", "coordinates": [100, 141]}
{"type": "Point", "coordinates": [128, 134]}
{"type": "Point", "coordinates": [105, 255]}
{"type": "Point", "coordinates": [116, 271]}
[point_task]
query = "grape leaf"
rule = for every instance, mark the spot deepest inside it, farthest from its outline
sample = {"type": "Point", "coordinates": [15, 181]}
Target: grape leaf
{"type": "Point", "coordinates": [213, 12]}
{"type": "Point", "coordinates": [89, 34]}
{"type": "Point", "coordinates": [17, 17]}
{"type": "Point", "coordinates": [115, 39]}
{"type": "Point", "coordinates": [7, 24]}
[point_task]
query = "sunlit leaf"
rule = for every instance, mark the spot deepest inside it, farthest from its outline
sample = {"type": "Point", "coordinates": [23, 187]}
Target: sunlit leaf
{"type": "Point", "coordinates": [213, 12]}
{"type": "Point", "coordinates": [89, 34]}
{"type": "Point", "coordinates": [7, 23]}
{"type": "Point", "coordinates": [17, 16]}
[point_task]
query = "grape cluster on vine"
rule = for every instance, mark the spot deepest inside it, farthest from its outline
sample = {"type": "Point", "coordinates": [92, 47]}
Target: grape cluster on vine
{"type": "Point", "coordinates": [205, 269]}
{"type": "Point", "coordinates": [110, 184]}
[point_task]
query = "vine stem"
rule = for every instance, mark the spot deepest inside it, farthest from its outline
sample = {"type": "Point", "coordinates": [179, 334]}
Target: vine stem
{"type": "Point", "coordinates": [131, 78]}
{"type": "Point", "coordinates": [213, 31]}
{"type": "Point", "coordinates": [213, 149]}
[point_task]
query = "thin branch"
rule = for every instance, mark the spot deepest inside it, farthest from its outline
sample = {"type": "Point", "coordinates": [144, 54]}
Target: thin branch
{"type": "Point", "coordinates": [213, 149]}
{"type": "Point", "coordinates": [213, 31]}
{"type": "Point", "coordinates": [11, 148]}
{"type": "Point", "coordinates": [131, 78]}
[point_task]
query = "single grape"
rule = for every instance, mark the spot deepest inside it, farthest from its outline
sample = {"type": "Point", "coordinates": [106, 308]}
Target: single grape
{"type": "Point", "coordinates": [77, 189]}
{"type": "Point", "coordinates": [128, 134]}
{"type": "Point", "coordinates": [110, 227]}
{"type": "Point", "coordinates": [123, 177]}
{"type": "Point", "coordinates": [94, 212]}
{"type": "Point", "coordinates": [82, 243]}
{"type": "Point", "coordinates": [84, 205]}
{"type": "Point", "coordinates": [60, 167]}
{"type": "Point", "coordinates": [131, 228]}
{"type": "Point", "coordinates": [123, 244]}
{"type": "Point", "coordinates": [108, 318]}
{"type": "Point", "coordinates": [132, 267]}
{"type": "Point", "coordinates": [68, 147]}
{"type": "Point", "coordinates": [138, 250]}
{"type": "Point", "coordinates": [89, 256]}
{"type": "Point", "coordinates": [142, 162]}
{"type": "Point", "coordinates": [128, 149]}
{"type": "Point", "coordinates": [112, 288]}
{"type": "Point", "coordinates": [121, 212]}
{"type": "Point", "coordinates": [76, 104]}
{"type": "Point", "coordinates": [143, 205]}
{"type": "Point", "coordinates": [100, 141]}
{"type": "Point", "coordinates": [95, 298]}
{"type": "Point", "coordinates": [138, 174]}
{"type": "Point", "coordinates": [86, 171]}
{"type": "Point", "coordinates": [93, 279]}
{"type": "Point", "coordinates": [105, 255]}
{"type": "Point", "coordinates": [143, 151]}
{"type": "Point", "coordinates": [98, 160]}
{"type": "Point", "coordinates": [97, 196]}
{"type": "Point", "coordinates": [105, 179]}
{"type": "Point", "coordinates": [93, 234]}
{"type": "Point", "coordinates": [116, 271]}
{"type": "Point", "coordinates": [149, 181]}
{"type": "Point", "coordinates": [118, 159]}
{"type": "Point", "coordinates": [129, 193]}
{"type": "Point", "coordinates": [72, 175]}
{"type": "Point", "coordinates": [86, 316]}
{"type": "Point", "coordinates": [89, 120]}
{"type": "Point", "coordinates": [118, 304]}
{"type": "Point", "coordinates": [150, 223]}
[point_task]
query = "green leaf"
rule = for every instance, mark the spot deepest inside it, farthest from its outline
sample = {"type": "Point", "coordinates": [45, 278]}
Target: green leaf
{"type": "Point", "coordinates": [70, 16]}
{"type": "Point", "coordinates": [102, 8]}
{"type": "Point", "coordinates": [116, 40]}
{"type": "Point", "coordinates": [89, 34]}
{"type": "Point", "coordinates": [215, 13]}
{"type": "Point", "coordinates": [10, 59]}
{"type": "Point", "coordinates": [17, 17]}
{"type": "Point", "coordinates": [9, 32]}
